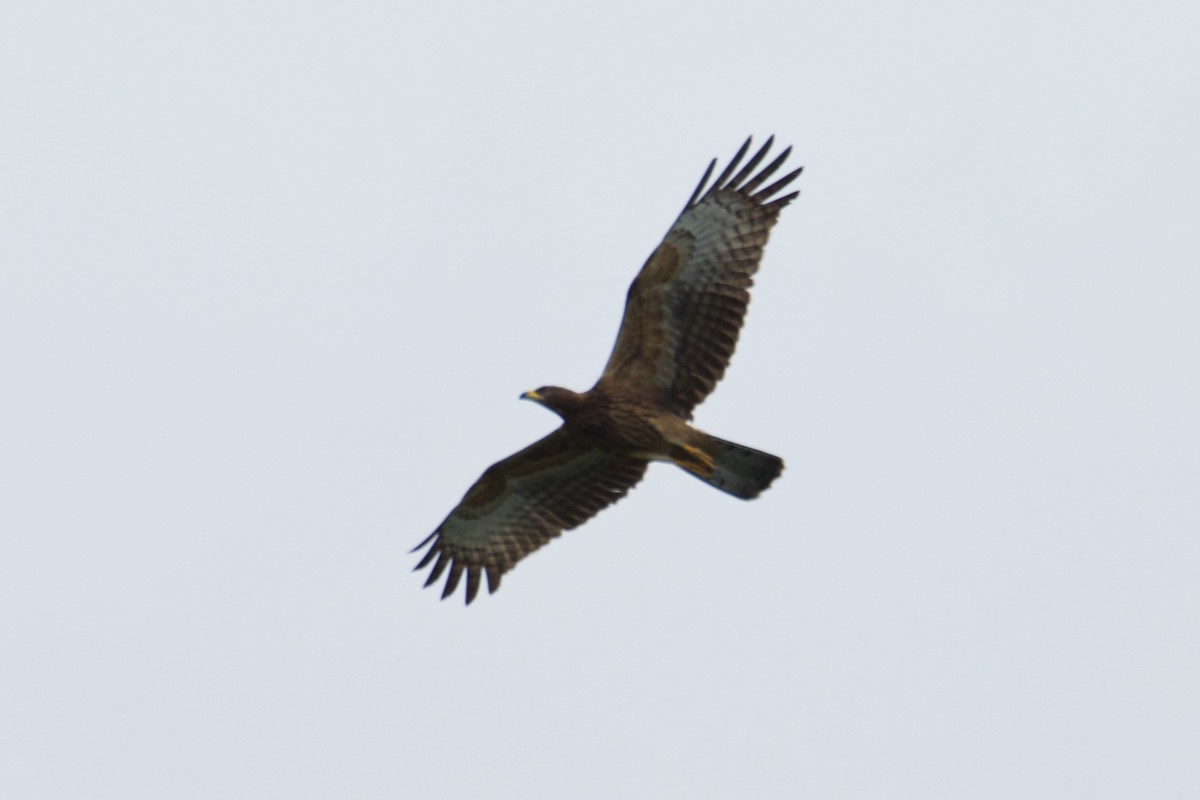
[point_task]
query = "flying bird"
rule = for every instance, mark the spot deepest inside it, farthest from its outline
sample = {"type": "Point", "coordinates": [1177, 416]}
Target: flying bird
{"type": "Point", "coordinates": [682, 317]}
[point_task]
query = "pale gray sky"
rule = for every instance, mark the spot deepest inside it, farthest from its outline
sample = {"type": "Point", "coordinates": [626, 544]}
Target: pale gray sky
{"type": "Point", "coordinates": [272, 276]}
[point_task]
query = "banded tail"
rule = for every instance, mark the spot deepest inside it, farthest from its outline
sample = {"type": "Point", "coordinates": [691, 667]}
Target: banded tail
{"type": "Point", "coordinates": [739, 470]}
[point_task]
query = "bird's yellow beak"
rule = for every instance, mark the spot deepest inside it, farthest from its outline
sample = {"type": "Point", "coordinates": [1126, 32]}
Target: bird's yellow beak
{"type": "Point", "coordinates": [532, 395]}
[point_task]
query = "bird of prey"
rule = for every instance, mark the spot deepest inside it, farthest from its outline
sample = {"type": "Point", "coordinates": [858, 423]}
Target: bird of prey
{"type": "Point", "coordinates": [682, 317]}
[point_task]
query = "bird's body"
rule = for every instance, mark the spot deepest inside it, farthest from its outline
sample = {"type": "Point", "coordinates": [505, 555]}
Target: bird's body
{"type": "Point", "coordinates": [612, 422]}
{"type": "Point", "coordinates": [624, 426]}
{"type": "Point", "coordinates": [618, 423]}
{"type": "Point", "coordinates": [682, 317]}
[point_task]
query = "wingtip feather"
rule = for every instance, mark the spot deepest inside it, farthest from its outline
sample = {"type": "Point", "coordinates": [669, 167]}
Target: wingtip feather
{"type": "Point", "coordinates": [424, 562]}
{"type": "Point", "coordinates": [425, 541]}
{"type": "Point", "coordinates": [754, 161]}
{"type": "Point", "coordinates": [456, 571]}
{"type": "Point", "coordinates": [472, 582]}
{"type": "Point", "coordinates": [722, 180]}
{"type": "Point", "coordinates": [778, 185]}
{"type": "Point", "coordinates": [438, 568]}
{"type": "Point", "coordinates": [493, 577]}
{"type": "Point", "coordinates": [700, 186]}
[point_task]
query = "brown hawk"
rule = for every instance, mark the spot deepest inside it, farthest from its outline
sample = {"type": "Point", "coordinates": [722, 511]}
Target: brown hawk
{"type": "Point", "coordinates": [682, 317]}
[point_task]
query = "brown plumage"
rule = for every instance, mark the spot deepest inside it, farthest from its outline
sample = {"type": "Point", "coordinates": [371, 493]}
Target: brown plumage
{"type": "Point", "coordinates": [682, 317]}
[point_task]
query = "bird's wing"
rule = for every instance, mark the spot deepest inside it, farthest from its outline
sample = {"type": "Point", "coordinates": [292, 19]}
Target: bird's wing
{"type": "Point", "coordinates": [685, 309]}
{"type": "Point", "coordinates": [521, 503]}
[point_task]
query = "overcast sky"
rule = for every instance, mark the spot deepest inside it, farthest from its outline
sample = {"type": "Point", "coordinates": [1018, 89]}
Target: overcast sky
{"type": "Point", "coordinates": [272, 276]}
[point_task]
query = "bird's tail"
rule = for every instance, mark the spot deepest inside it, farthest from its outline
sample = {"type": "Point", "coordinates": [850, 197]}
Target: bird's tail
{"type": "Point", "coordinates": [741, 471]}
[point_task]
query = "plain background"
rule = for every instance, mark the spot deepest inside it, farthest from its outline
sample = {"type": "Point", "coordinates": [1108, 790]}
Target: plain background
{"type": "Point", "coordinates": [272, 276]}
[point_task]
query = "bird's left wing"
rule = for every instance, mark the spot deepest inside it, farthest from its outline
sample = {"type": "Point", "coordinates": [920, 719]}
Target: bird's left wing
{"type": "Point", "coordinates": [521, 503]}
{"type": "Point", "coordinates": [685, 309]}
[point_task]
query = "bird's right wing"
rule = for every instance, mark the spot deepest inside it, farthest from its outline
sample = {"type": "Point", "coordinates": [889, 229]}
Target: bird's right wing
{"type": "Point", "coordinates": [521, 503]}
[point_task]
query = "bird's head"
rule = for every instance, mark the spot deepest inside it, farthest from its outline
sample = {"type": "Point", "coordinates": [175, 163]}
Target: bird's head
{"type": "Point", "coordinates": [555, 398]}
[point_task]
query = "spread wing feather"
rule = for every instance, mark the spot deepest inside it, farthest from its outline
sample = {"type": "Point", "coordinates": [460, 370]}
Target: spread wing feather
{"type": "Point", "coordinates": [685, 309]}
{"type": "Point", "coordinates": [521, 503]}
